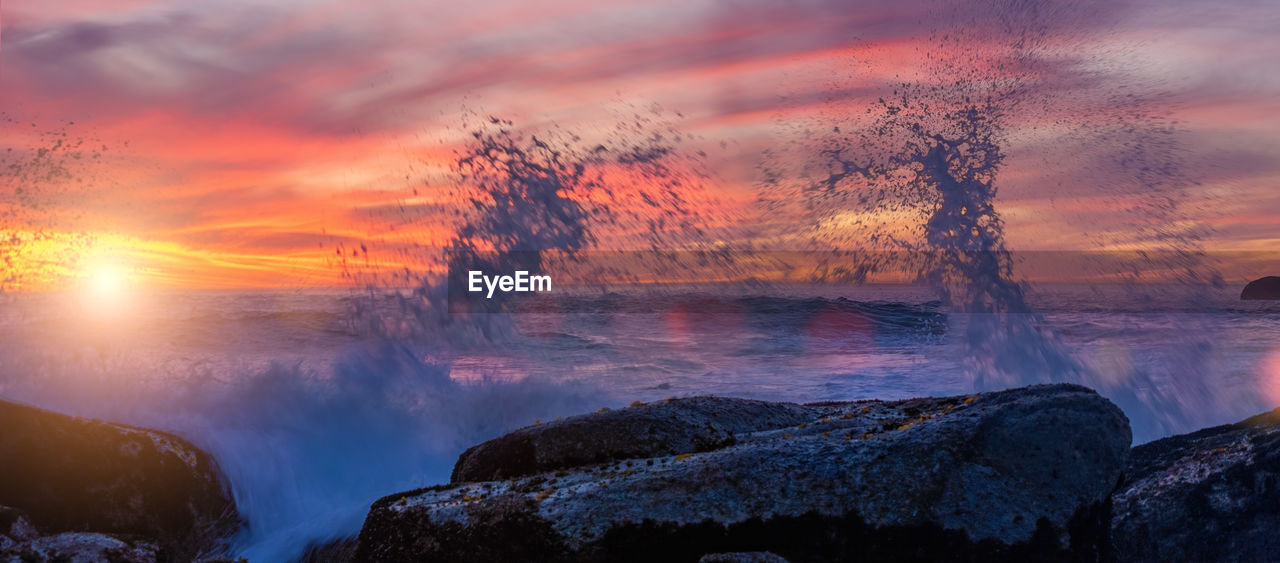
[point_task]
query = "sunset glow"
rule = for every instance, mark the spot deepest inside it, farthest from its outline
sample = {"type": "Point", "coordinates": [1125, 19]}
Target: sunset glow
{"type": "Point", "coordinates": [639, 280]}
{"type": "Point", "coordinates": [244, 148]}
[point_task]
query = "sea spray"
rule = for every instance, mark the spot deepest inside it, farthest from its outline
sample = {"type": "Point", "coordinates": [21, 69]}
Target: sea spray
{"type": "Point", "coordinates": [535, 200]}
{"type": "Point", "coordinates": [307, 449]}
{"type": "Point", "coordinates": [306, 453]}
{"type": "Point", "coordinates": [910, 185]}
{"type": "Point", "coordinates": [312, 418]}
{"type": "Point", "coordinates": [939, 168]}
{"type": "Point", "coordinates": [40, 170]}
{"type": "Point", "coordinates": [393, 416]}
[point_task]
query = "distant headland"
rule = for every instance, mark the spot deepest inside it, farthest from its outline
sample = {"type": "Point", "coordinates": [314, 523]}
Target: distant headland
{"type": "Point", "coordinates": [1262, 288]}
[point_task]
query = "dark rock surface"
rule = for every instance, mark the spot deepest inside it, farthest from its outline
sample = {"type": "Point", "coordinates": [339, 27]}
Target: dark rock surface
{"type": "Point", "coordinates": [1212, 495]}
{"type": "Point", "coordinates": [335, 551]}
{"type": "Point", "coordinates": [15, 528]}
{"type": "Point", "coordinates": [742, 557]}
{"type": "Point", "coordinates": [21, 542]}
{"type": "Point", "coordinates": [670, 427]}
{"type": "Point", "coordinates": [1263, 288]}
{"type": "Point", "coordinates": [1010, 475]}
{"type": "Point", "coordinates": [84, 547]}
{"type": "Point", "coordinates": [79, 475]}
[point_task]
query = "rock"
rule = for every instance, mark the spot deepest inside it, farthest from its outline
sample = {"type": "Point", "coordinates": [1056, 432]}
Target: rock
{"type": "Point", "coordinates": [675, 426]}
{"type": "Point", "coordinates": [742, 557]}
{"type": "Point", "coordinates": [1263, 288]}
{"type": "Point", "coordinates": [15, 526]}
{"type": "Point", "coordinates": [1011, 475]}
{"type": "Point", "coordinates": [20, 542]}
{"type": "Point", "coordinates": [334, 551]}
{"type": "Point", "coordinates": [83, 547]}
{"type": "Point", "coordinates": [1211, 495]}
{"type": "Point", "coordinates": [79, 475]}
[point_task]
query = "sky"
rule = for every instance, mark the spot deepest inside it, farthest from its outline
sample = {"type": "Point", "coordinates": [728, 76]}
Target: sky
{"type": "Point", "coordinates": [245, 144]}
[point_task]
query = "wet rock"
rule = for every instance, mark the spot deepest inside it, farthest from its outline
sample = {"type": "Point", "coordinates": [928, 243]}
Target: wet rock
{"type": "Point", "coordinates": [1263, 288]}
{"type": "Point", "coordinates": [1010, 475]}
{"type": "Point", "coordinates": [1211, 495]}
{"type": "Point", "coordinates": [72, 474]}
{"type": "Point", "coordinates": [669, 427]}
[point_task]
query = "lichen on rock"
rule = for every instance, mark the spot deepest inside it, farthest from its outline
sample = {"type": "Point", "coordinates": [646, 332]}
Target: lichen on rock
{"type": "Point", "coordinates": [1211, 495]}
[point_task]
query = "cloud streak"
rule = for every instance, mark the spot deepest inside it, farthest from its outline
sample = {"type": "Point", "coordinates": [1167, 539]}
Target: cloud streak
{"type": "Point", "coordinates": [258, 130]}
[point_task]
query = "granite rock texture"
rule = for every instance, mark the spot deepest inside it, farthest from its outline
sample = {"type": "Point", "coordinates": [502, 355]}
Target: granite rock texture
{"type": "Point", "coordinates": [645, 430]}
{"type": "Point", "coordinates": [1211, 495]}
{"type": "Point", "coordinates": [1023, 473]}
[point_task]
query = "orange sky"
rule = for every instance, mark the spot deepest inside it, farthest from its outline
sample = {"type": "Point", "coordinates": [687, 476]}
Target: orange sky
{"type": "Point", "coordinates": [246, 142]}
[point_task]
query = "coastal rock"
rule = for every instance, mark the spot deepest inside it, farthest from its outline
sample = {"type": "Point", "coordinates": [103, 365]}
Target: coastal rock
{"type": "Point", "coordinates": [70, 474]}
{"type": "Point", "coordinates": [15, 529]}
{"type": "Point", "coordinates": [1263, 288]}
{"type": "Point", "coordinates": [1211, 495]}
{"type": "Point", "coordinates": [669, 427]}
{"type": "Point", "coordinates": [20, 542]}
{"type": "Point", "coordinates": [334, 551]}
{"type": "Point", "coordinates": [82, 547]}
{"type": "Point", "coordinates": [1008, 475]}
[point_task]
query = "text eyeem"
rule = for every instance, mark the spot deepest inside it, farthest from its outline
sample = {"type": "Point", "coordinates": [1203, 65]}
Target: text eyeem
{"type": "Point", "coordinates": [521, 282]}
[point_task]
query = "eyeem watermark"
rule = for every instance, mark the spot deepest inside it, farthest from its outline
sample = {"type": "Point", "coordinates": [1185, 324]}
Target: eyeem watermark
{"type": "Point", "coordinates": [521, 282]}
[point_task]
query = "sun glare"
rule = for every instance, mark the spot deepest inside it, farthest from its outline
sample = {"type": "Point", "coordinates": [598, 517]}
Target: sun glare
{"type": "Point", "coordinates": [107, 281]}
{"type": "Point", "coordinates": [105, 287]}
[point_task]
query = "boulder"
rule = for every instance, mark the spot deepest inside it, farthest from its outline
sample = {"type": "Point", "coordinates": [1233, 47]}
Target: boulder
{"type": "Point", "coordinates": [1267, 288]}
{"type": "Point", "coordinates": [1211, 495]}
{"type": "Point", "coordinates": [72, 474]}
{"type": "Point", "coordinates": [1009, 475]}
{"type": "Point", "coordinates": [669, 427]}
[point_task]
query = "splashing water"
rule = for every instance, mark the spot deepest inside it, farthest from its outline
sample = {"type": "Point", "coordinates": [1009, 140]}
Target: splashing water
{"type": "Point", "coordinates": [306, 454]}
{"type": "Point", "coordinates": [394, 416]}
{"type": "Point", "coordinates": [918, 174]}
{"type": "Point", "coordinates": [312, 416]}
{"type": "Point", "coordinates": [388, 419]}
{"type": "Point", "coordinates": [535, 201]}
{"type": "Point", "coordinates": [305, 450]}
{"type": "Point", "coordinates": [312, 425]}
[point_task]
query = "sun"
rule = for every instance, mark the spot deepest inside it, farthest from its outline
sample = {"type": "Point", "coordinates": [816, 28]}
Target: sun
{"type": "Point", "coordinates": [107, 280]}
{"type": "Point", "coordinates": [105, 283]}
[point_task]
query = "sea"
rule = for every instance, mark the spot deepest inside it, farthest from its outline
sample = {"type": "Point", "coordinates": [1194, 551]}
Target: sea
{"type": "Point", "coordinates": [317, 402]}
